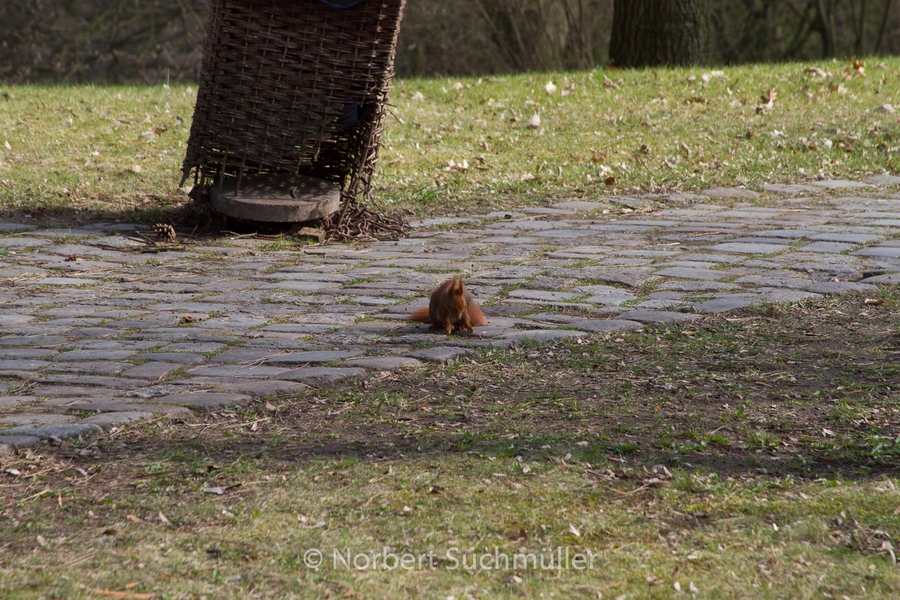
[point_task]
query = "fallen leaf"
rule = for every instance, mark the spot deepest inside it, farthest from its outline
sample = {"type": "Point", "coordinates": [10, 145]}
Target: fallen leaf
{"type": "Point", "coordinates": [125, 595]}
{"type": "Point", "coordinates": [214, 490]}
{"type": "Point", "coordinates": [607, 82]}
{"type": "Point", "coordinates": [550, 88]}
{"type": "Point", "coordinates": [535, 121]}
{"type": "Point", "coordinates": [164, 519]}
{"type": "Point", "coordinates": [418, 97]}
{"type": "Point", "coordinates": [610, 180]}
{"type": "Point", "coordinates": [859, 68]}
{"type": "Point", "coordinates": [574, 531]}
{"type": "Point", "coordinates": [135, 519]}
{"type": "Point", "coordinates": [874, 301]}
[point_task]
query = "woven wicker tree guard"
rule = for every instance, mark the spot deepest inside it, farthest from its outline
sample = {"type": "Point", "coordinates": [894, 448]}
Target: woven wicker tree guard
{"type": "Point", "coordinates": [290, 107]}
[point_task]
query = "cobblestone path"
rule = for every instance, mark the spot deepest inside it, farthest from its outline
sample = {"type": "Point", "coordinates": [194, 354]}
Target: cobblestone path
{"type": "Point", "coordinates": [91, 325]}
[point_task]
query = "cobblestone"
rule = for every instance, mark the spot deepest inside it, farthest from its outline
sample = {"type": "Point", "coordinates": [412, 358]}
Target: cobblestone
{"type": "Point", "coordinates": [213, 326]}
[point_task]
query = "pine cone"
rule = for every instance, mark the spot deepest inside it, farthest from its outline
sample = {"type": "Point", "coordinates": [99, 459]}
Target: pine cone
{"type": "Point", "coordinates": [164, 232]}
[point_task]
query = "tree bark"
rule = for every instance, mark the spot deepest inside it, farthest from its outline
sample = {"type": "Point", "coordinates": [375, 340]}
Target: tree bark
{"type": "Point", "coordinates": [649, 33]}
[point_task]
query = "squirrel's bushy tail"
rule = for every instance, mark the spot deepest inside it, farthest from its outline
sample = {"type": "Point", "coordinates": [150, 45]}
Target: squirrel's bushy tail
{"type": "Point", "coordinates": [421, 315]}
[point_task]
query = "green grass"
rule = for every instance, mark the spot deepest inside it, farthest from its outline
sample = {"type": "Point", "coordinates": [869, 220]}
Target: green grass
{"type": "Point", "coordinates": [754, 458]}
{"type": "Point", "coordinates": [118, 150]}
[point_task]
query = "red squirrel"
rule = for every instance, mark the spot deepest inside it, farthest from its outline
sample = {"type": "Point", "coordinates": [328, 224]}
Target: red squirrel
{"type": "Point", "coordinates": [452, 307]}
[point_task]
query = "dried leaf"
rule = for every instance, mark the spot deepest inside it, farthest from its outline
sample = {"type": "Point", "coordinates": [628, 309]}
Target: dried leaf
{"type": "Point", "coordinates": [535, 121]}
{"type": "Point", "coordinates": [874, 301]}
{"type": "Point", "coordinates": [550, 88]}
{"type": "Point", "coordinates": [607, 82]}
{"type": "Point", "coordinates": [418, 97]}
{"type": "Point", "coordinates": [214, 490]}
{"type": "Point", "coordinates": [125, 595]}
{"type": "Point", "coordinates": [574, 530]}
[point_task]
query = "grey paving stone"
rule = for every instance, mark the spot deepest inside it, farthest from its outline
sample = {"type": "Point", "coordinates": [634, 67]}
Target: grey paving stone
{"type": "Point", "coordinates": [35, 419]}
{"type": "Point", "coordinates": [606, 325]}
{"type": "Point", "coordinates": [14, 319]}
{"type": "Point", "coordinates": [115, 419]}
{"type": "Point", "coordinates": [691, 273]}
{"type": "Point", "coordinates": [112, 405]}
{"type": "Point", "coordinates": [154, 370]}
{"type": "Point", "coordinates": [181, 358]}
{"type": "Point", "coordinates": [879, 251]}
{"type": "Point", "coordinates": [21, 243]}
{"type": "Point", "coordinates": [382, 363]}
{"type": "Point", "coordinates": [322, 375]}
{"type": "Point", "coordinates": [657, 316]}
{"type": "Point", "coordinates": [792, 234]}
{"type": "Point", "coordinates": [252, 371]}
{"type": "Point", "coordinates": [745, 248]}
{"type": "Point", "coordinates": [438, 353]}
{"type": "Point", "coordinates": [22, 364]}
{"type": "Point", "coordinates": [62, 431]}
{"type": "Point", "coordinates": [883, 180]}
{"type": "Point", "coordinates": [725, 192]}
{"type": "Point", "coordinates": [826, 247]}
{"type": "Point", "coordinates": [312, 357]}
{"type": "Point", "coordinates": [886, 278]}
{"type": "Point", "coordinates": [261, 389]}
{"type": "Point", "coordinates": [578, 205]}
{"type": "Point", "coordinates": [845, 238]}
{"type": "Point", "coordinates": [840, 287]}
{"type": "Point", "coordinates": [11, 402]}
{"type": "Point", "coordinates": [542, 295]}
{"type": "Point", "coordinates": [199, 400]}
{"type": "Point", "coordinates": [785, 295]}
{"type": "Point", "coordinates": [776, 279]}
{"type": "Point", "coordinates": [726, 303]}
{"type": "Point", "coordinates": [59, 281]}
{"type": "Point", "coordinates": [100, 367]}
{"type": "Point", "coordinates": [761, 240]}
{"type": "Point", "coordinates": [91, 354]}
{"type": "Point", "coordinates": [695, 286]}
{"type": "Point", "coordinates": [839, 184]}
{"type": "Point", "coordinates": [790, 188]}
{"type": "Point", "coordinates": [23, 353]}
{"type": "Point", "coordinates": [10, 444]}
{"type": "Point", "coordinates": [244, 355]}
{"type": "Point", "coordinates": [541, 335]}
{"type": "Point", "coordinates": [32, 341]}
{"type": "Point", "coordinates": [111, 383]}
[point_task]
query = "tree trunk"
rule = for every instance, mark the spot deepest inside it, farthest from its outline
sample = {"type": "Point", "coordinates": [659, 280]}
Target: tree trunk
{"type": "Point", "coordinates": [648, 33]}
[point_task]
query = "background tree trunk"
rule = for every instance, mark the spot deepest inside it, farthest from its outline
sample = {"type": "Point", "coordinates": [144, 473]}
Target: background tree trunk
{"type": "Point", "coordinates": [648, 33]}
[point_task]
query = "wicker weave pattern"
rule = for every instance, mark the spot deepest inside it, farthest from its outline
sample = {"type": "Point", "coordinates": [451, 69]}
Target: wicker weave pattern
{"type": "Point", "coordinates": [275, 80]}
